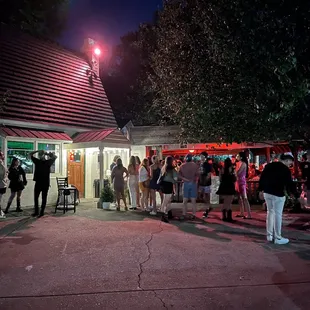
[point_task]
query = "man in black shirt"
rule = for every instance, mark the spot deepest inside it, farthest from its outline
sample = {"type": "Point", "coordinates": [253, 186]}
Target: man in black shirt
{"type": "Point", "coordinates": [42, 170]}
{"type": "Point", "coordinates": [275, 182]}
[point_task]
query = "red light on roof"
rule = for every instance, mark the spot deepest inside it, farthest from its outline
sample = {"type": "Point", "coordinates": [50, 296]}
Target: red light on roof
{"type": "Point", "coordinates": [97, 51]}
{"type": "Point", "coordinates": [191, 151]}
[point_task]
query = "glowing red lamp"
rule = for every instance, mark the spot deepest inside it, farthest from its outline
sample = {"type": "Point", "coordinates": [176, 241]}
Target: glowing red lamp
{"type": "Point", "coordinates": [97, 51]}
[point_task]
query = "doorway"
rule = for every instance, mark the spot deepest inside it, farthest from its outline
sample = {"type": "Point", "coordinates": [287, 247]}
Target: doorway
{"type": "Point", "coordinates": [76, 169]}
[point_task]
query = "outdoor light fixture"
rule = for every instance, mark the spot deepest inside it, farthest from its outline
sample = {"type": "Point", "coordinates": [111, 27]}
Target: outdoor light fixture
{"type": "Point", "coordinates": [97, 51]}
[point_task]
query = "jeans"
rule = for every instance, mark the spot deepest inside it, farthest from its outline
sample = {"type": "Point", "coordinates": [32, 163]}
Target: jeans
{"type": "Point", "coordinates": [38, 189]}
{"type": "Point", "coordinates": [190, 190]}
{"type": "Point", "coordinates": [275, 207]}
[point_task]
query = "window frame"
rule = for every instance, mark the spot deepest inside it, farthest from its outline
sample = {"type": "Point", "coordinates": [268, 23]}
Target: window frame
{"type": "Point", "coordinates": [36, 145]}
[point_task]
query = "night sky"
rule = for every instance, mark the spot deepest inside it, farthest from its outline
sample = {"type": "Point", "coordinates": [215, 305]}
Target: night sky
{"type": "Point", "coordinates": [105, 20]}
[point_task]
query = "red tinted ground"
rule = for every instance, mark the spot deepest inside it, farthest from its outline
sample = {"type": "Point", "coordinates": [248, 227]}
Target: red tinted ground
{"type": "Point", "coordinates": [104, 260]}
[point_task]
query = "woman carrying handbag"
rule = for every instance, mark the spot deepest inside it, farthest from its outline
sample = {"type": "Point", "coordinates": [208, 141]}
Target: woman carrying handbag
{"type": "Point", "coordinates": [18, 182]}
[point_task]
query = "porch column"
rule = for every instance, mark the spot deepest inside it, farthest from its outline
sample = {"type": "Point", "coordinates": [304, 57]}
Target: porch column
{"type": "Point", "coordinates": [101, 167]}
{"type": "Point", "coordinates": [257, 160]}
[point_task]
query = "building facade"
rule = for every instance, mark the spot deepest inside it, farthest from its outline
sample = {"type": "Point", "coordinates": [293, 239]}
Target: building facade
{"type": "Point", "coordinates": [48, 97]}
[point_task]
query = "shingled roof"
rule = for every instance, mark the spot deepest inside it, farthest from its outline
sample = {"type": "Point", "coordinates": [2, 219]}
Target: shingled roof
{"type": "Point", "coordinates": [49, 84]}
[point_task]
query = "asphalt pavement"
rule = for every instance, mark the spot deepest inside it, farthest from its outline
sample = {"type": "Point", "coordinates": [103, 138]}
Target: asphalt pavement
{"type": "Point", "coordinates": [97, 259]}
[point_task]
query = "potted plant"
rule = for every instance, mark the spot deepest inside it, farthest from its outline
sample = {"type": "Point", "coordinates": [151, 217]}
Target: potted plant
{"type": "Point", "coordinates": [107, 197]}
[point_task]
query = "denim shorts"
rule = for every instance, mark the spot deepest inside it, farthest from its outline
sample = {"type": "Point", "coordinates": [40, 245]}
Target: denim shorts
{"type": "Point", "coordinates": [190, 190]}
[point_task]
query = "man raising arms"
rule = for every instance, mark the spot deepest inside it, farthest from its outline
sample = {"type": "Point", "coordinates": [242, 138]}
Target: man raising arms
{"type": "Point", "coordinates": [42, 170]}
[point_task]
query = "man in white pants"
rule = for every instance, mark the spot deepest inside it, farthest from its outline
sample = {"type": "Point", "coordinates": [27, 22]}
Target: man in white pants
{"type": "Point", "coordinates": [276, 179]}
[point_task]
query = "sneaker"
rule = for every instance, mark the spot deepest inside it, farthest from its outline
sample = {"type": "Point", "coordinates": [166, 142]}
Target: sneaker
{"type": "Point", "coordinates": [2, 215]}
{"type": "Point", "coordinates": [132, 208]}
{"type": "Point", "coordinates": [34, 214]}
{"type": "Point", "coordinates": [19, 210]}
{"type": "Point", "coordinates": [269, 238]}
{"type": "Point", "coordinates": [153, 213]}
{"type": "Point", "coordinates": [281, 241]}
{"type": "Point", "coordinates": [205, 214]}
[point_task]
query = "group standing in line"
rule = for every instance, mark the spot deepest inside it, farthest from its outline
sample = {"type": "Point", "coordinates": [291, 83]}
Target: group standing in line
{"type": "Point", "coordinates": [149, 177]}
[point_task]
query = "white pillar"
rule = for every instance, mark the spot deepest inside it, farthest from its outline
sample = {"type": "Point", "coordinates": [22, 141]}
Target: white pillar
{"type": "Point", "coordinates": [101, 167]}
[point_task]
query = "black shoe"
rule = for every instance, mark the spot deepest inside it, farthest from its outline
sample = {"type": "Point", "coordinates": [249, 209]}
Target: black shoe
{"type": "Point", "coordinates": [132, 208]}
{"type": "Point", "coordinates": [19, 210]}
{"type": "Point", "coordinates": [224, 218]}
{"type": "Point", "coordinates": [229, 216]}
{"type": "Point", "coordinates": [164, 219]}
{"type": "Point", "coordinates": [170, 215]}
{"type": "Point", "coordinates": [34, 214]}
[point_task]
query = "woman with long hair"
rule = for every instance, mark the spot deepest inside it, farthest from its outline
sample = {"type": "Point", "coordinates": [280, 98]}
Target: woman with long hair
{"type": "Point", "coordinates": [241, 185]}
{"type": "Point", "coordinates": [168, 177]}
{"type": "Point", "coordinates": [138, 163]}
{"type": "Point", "coordinates": [144, 183]}
{"type": "Point", "coordinates": [133, 184]}
{"type": "Point", "coordinates": [18, 182]}
{"type": "Point", "coordinates": [155, 169]}
{"type": "Point", "coordinates": [119, 173]}
{"type": "Point", "coordinates": [227, 189]}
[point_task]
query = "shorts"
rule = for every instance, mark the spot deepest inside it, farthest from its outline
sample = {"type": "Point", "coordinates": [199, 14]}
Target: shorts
{"type": "Point", "coordinates": [190, 190]}
{"type": "Point", "coordinates": [2, 191]}
{"type": "Point", "coordinates": [205, 189]}
{"type": "Point", "coordinates": [241, 189]}
{"type": "Point", "coordinates": [167, 188]}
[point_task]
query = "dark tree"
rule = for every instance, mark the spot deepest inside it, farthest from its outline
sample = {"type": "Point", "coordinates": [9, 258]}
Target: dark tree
{"type": "Point", "coordinates": [40, 17]}
{"type": "Point", "coordinates": [236, 70]}
{"type": "Point", "coordinates": [126, 77]}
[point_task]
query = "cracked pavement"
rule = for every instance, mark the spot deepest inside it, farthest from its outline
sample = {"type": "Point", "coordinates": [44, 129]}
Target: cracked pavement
{"type": "Point", "coordinates": [107, 260]}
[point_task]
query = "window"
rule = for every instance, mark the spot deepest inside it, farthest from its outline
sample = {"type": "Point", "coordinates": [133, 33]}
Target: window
{"type": "Point", "coordinates": [75, 156]}
{"type": "Point", "coordinates": [20, 150]}
{"type": "Point", "coordinates": [55, 149]}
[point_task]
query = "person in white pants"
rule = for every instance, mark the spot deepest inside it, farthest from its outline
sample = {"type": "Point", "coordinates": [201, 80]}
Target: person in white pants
{"type": "Point", "coordinates": [3, 181]}
{"type": "Point", "coordinates": [133, 185]}
{"type": "Point", "coordinates": [275, 181]}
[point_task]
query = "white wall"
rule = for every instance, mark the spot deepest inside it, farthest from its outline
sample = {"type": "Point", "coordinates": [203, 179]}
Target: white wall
{"type": "Point", "coordinates": [138, 150]}
{"type": "Point", "coordinates": [91, 170]}
{"type": "Point", "coordinates": [27, 199]}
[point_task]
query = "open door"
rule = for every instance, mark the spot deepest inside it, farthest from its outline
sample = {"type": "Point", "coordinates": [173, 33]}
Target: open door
{"type": "Point", "coordinates": [76, 169]}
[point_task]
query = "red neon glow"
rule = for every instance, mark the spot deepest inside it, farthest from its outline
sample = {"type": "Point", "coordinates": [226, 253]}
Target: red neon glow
{"type": "Point", "coordinates": [97, 51]}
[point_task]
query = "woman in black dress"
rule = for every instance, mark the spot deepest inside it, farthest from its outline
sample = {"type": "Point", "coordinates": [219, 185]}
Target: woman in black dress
{"type": "Point", "coordinates": [18, 182]}
{"type": "Point", "coordinates": [227, 189]}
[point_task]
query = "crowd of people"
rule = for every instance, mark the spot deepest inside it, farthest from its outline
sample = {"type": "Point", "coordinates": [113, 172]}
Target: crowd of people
{"type": "Point", "coordinates": [153, 175]}
{"type": "Point", "coordinates": [150, 176]}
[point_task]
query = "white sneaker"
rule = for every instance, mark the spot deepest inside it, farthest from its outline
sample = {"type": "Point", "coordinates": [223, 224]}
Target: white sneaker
{"type": "Point", "coordinates": [2, 215]}
{"type": "Point", "coordinates": [269, 238]}
{"type": "Point", "coordinates": [281, 241]}
{"type": "Point", "coordinates": [153, 213]}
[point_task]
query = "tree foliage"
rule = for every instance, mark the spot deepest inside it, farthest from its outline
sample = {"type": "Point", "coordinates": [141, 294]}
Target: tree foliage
{"type": "Point", "coordinates": [126, 79]}
{"type": "Point", "coordinates": [236, 70]}
{"type": "Point", "coordinates": [39, 17]}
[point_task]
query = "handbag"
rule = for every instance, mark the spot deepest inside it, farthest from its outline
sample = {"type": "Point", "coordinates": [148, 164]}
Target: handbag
{"type": "Point", "coordinates": [161, 179]}
{"type": "Point", "coordinates": [146, 183]}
